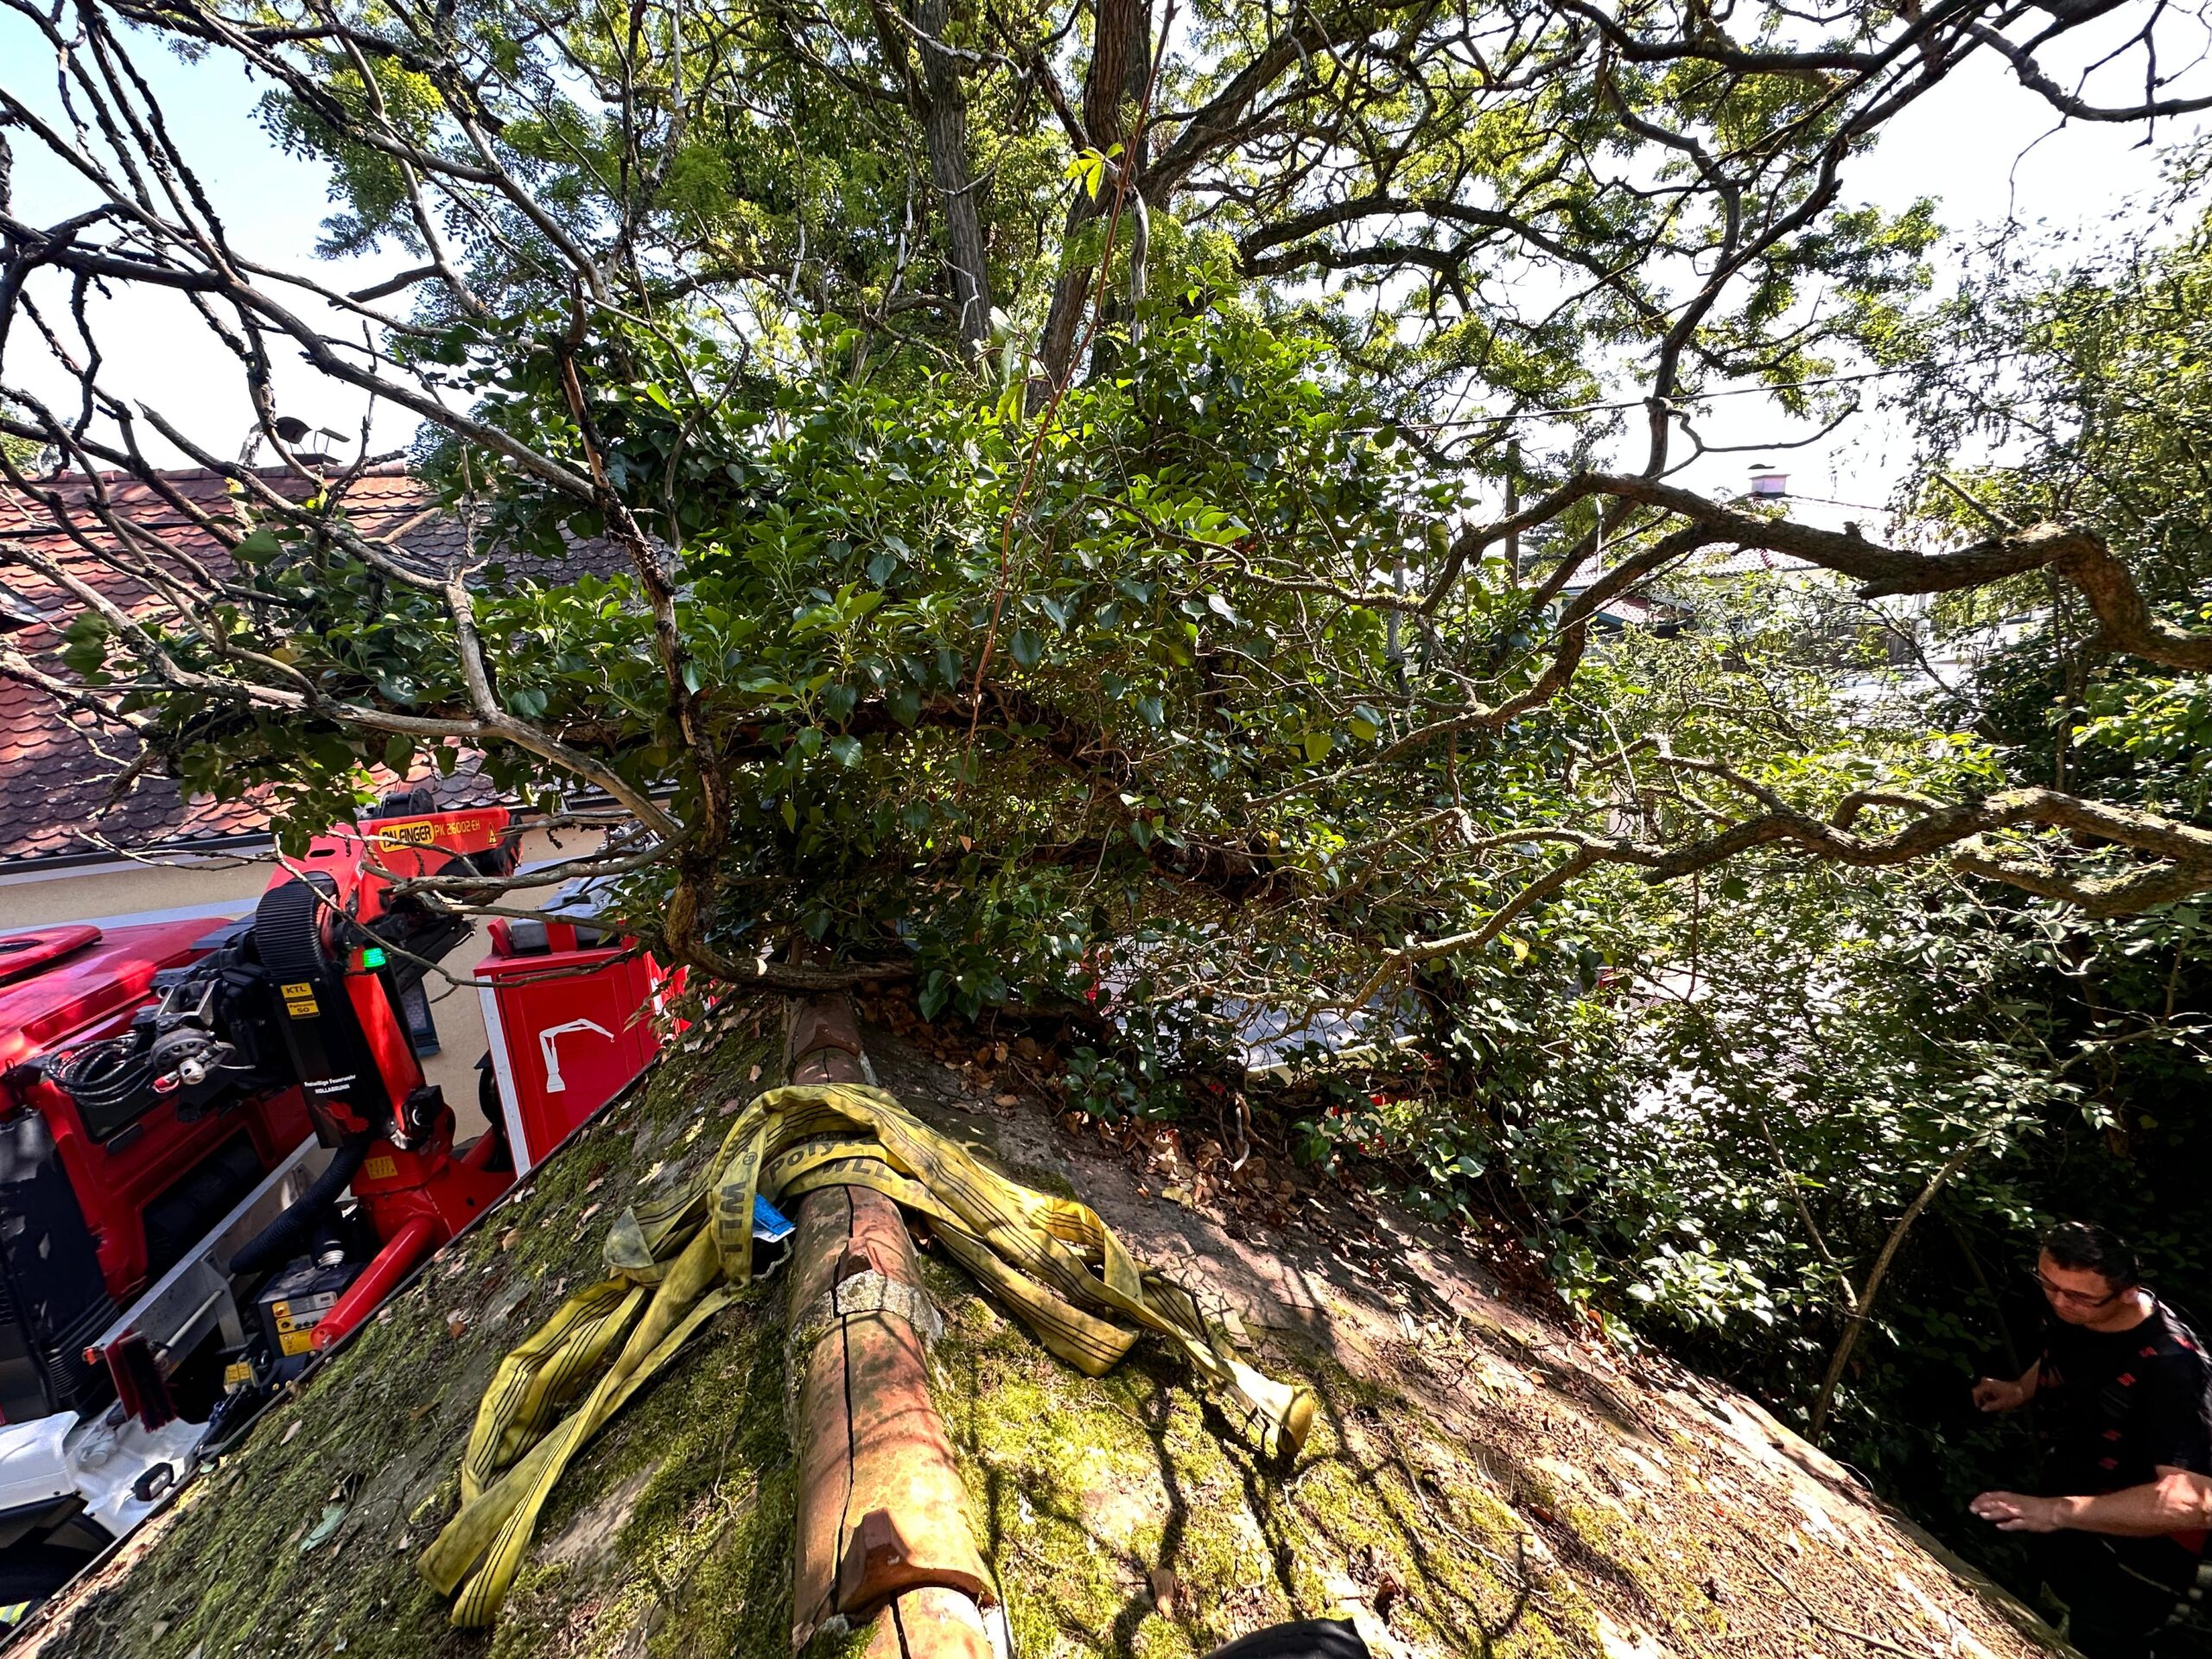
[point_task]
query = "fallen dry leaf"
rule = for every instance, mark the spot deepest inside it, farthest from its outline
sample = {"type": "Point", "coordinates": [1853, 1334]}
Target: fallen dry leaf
{"type": "Point", "coordinates": [1166, 1588]}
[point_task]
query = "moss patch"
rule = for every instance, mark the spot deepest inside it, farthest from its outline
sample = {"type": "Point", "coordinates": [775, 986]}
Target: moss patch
{"type": "Point", "coordinates": [1127, 1515]}
{"type": "Point", "coordinates": [378, 1432]}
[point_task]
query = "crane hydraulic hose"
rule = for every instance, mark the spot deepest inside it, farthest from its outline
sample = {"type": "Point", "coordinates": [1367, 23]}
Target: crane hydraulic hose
{"type": "Point", "coordinates": [290, 1233]}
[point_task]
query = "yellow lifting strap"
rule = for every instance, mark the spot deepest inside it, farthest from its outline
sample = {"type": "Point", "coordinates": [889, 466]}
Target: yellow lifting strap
{"type": "Point", "coordinates": [674, 1264]}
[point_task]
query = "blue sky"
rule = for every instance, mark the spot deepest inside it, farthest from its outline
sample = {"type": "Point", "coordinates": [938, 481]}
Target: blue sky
{"type": "Point", "coordinates": [271, 203]}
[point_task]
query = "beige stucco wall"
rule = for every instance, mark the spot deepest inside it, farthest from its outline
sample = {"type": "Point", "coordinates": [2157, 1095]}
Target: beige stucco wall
{"type": "Point", "coordinates": [117, 896]}
{"type": "Point", "coordinates": [111, 891]}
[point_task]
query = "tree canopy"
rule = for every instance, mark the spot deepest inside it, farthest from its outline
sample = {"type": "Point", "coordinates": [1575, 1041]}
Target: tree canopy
{"type": "Point", "coordinates": [1032, 437]}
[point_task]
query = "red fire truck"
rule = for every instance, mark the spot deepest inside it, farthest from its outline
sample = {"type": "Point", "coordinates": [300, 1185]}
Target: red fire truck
{"type": "Point", "coordinates": [218, 1153]}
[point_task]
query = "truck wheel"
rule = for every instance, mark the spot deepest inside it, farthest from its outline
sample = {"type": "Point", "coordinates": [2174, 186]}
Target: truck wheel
{"type": "Point", "coordinates": [495, 1119]}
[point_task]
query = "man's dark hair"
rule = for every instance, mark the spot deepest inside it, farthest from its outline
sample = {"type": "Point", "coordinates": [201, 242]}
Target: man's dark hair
{"type": "Point", "coordinates": [2084, 1247]}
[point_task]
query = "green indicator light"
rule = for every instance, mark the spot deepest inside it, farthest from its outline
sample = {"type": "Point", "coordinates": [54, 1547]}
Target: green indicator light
{"type": "Point", "coordinates": [373, 956]}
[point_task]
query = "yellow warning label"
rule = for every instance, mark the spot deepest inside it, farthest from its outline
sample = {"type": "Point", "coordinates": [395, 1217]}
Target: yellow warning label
{"type": "Point", "coordinates": [421, 832]}
{"type": "Point", "coordinates": [302, 988]}
{"type": "Point", "coordinates": [238, 1375]}
{"type": "Point", "coordinates": [304, 1009]}
{"type": "Point", "coordinates": [379, 1169]}
{"type": "Point", "coordinates": [296, 1342]}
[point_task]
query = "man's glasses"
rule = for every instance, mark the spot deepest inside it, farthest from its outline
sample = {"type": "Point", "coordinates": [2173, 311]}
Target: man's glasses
{"type": "Point", "coordinates": [2075, 1298]}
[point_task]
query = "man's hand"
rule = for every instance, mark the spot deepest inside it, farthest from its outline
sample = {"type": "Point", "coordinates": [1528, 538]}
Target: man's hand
{"type": "Point", "coordinates": [1995, 1393]}
{"type": "Point", "coordinates": [2015, 1512]}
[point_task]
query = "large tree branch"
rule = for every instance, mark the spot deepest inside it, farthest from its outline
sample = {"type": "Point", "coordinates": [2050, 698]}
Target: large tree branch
{"type": "Point", "coordinates": [2184, 852]}
{"type": "Point", "coordinates": [2074, 552]}
{"type": "Point", "coordinates": [2074, 107]}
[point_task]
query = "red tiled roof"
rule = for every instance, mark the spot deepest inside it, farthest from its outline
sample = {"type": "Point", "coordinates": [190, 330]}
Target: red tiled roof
{"type": "Point", "coordinates": [58, 771]}
{"type": "Point", "coordinates": [1744, 561]}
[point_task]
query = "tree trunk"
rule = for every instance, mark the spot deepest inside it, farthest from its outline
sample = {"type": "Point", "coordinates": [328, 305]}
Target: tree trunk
{"type": "Point", "coordinates": [944, 117]}
{"type": "Point", "coordinates": [1865, 1306]}
{"type": "Point", "coordinates": [1120, 66]}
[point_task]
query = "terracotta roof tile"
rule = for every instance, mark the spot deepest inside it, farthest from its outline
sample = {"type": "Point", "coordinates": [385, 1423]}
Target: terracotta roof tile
{"type": "Point", "coordinates": [58, 771]}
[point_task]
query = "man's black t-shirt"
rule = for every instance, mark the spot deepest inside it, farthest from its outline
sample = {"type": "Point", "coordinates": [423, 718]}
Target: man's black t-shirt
{"type": "Point", "coordinates": [2112, 1406]}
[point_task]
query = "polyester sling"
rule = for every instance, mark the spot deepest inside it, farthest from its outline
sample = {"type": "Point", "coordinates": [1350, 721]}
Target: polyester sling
{"type": "Point", "coordinates": [673, 1264]}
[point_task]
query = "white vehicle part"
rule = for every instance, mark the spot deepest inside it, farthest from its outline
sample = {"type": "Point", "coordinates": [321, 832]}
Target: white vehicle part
{"type": "Point", "coordinates": [33, 1463]}
{"type": "Point", "coordinates": [503, 1073]}
{"type": "Point", "coordinates": [108, 1459]}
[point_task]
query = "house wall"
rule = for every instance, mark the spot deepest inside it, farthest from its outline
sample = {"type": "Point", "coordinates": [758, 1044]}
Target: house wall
{"type": "Point", "coordinates": [125, 893]}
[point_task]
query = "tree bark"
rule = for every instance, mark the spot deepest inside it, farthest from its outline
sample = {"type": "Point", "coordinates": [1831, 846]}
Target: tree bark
{"type": "Point", "coordinates": [1120, 66]}
{"type": "Point", "coordinates": [943, 113]}
{"type": "Point", "coordinates": [1865, 1306]}
{"type": "Point", "coordinates": [939, 106]}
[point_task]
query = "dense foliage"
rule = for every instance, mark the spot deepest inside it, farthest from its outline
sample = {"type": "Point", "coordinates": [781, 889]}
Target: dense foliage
{"type": "Point", "coordinates": [1718, 1155]}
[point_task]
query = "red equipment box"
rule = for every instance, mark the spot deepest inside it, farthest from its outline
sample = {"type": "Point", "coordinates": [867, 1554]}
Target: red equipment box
{"type": "Point", "coordinates": [569, 1014]}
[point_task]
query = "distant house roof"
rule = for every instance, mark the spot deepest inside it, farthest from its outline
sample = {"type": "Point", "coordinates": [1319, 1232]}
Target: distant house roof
{"type": "Point", "coordinates": [1742, 561]}
{"type": "Point", "coordinates": [58, 770]}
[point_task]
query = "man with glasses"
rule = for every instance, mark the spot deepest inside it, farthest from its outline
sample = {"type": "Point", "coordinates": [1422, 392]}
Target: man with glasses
{"type": "Point", "coordinates": [2123, 1398]}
